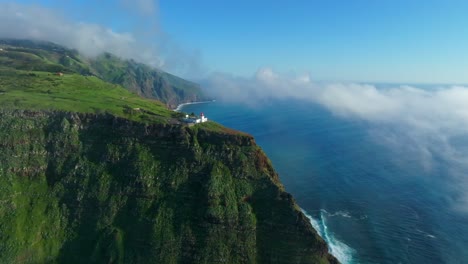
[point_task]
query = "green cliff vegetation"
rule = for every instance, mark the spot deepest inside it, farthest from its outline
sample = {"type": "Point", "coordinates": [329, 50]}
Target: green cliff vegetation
{"type": "Point", "coordinates": [87, 188]}
{"type": "Point", "coordinates": [92, 173]}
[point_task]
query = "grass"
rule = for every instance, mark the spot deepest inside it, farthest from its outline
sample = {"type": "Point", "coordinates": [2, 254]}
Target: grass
{"type": "Point", "coordinates": [46, 91]}
{"type": "Point", "coordinates": [35, 90]}
{"type": "Point", "coordinates": [215, 127]}
{"type": "Point", "coordinates": [28, 81]}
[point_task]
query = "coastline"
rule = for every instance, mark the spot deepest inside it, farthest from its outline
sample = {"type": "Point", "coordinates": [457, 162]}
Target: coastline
{"type": "Point", "coordinates": [179, 107]}
{"type": "Point", "coordinates": [336, 248]}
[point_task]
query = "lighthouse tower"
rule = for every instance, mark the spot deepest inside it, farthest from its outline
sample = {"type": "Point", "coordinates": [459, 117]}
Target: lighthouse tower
{"type": "Point", "coordinates": [203, 118]}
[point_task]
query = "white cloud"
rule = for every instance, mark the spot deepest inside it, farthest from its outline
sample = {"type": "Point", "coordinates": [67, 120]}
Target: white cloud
{"type": "Point", "coordinates": [437, 109]}
{"type": "Point", "coordinates": [35, 22]}
{"type": "Point", "coordinates": [423, 122]}
{"type": "Point", "coordinates": [152, 47]}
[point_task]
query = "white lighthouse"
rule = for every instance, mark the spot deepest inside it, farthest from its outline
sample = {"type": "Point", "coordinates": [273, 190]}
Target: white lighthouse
{"type": "Point", "coordinates": [203, 119]}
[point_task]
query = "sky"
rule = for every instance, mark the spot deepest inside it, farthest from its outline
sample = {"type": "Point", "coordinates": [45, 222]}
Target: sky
{"type": "Point", "coordinates": [393, 41]}
{"type": "Point", "coordinates": [359, 40]}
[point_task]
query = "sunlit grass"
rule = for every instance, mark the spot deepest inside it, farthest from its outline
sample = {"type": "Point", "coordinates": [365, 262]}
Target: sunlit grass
{"type": "Point", "coordinates": [75, 93]}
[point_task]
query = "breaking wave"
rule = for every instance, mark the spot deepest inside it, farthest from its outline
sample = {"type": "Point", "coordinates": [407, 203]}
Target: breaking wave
{"type": "Point", "coordinates": [340, 250]}
{"type": "Point", "coordinates": [345, 214]}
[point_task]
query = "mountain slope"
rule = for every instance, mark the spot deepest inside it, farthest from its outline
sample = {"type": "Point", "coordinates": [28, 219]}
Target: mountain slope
{"type": "Point", "coordinates": [136, 77]}
{"type": "Point", "coordinates": [145, 81]}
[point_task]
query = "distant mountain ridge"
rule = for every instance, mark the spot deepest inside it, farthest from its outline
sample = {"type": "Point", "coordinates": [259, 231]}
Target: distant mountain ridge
{"type": "Point", "coordinates": [136, 77]}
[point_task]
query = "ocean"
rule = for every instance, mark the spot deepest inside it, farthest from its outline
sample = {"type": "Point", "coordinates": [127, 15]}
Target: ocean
{"type": "Point", "coordinates": [373, 202]}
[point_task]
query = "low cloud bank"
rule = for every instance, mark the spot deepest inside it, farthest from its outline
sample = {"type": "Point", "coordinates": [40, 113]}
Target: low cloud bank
{"type": "Point", "coordinates": [427, 122]}
{"type": "Point", "coordinates": [439, 109]}
{"type": "Point", "coordinates": [152, 46]}
{"type": "Point", "coordinates": [434, 109]}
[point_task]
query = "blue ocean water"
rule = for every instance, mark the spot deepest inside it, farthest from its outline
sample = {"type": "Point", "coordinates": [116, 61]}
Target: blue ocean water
{"type": "Point", "coordinates": [371, 202]}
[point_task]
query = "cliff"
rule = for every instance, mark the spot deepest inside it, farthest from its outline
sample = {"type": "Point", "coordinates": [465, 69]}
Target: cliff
{"type": "Point", "coordinates": [96, 188]}
{"type": "Point", "coordinates": [146, 81]}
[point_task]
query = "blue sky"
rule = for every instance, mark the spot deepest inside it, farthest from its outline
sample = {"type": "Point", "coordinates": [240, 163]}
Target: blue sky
{"type": "Point", "coordinates": [415, 41]}
{"type": "Point", "coordinates": [360, 40]}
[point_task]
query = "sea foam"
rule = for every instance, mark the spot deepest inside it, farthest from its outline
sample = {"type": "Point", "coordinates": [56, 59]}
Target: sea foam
{"type": "Point", "coordinates": [340, 250]}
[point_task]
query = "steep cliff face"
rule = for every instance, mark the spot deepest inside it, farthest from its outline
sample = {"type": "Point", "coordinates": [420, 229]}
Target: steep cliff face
{"type": "Point", "coordinates": [146, 81]}
{"type": "Point", "coordinates": [84, 188]}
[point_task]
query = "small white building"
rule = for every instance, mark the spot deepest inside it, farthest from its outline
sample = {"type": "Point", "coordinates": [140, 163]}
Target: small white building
{"type": "Point", "coordinates": [195, 120]}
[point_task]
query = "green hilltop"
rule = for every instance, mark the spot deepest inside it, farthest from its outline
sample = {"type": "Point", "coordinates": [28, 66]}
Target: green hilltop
{"type": "Point", "coordinates": [45, 76]}
{"type": "Point", "coordinates": [141, 79]}
{"type": "Point", "coordinates": [36, 90]}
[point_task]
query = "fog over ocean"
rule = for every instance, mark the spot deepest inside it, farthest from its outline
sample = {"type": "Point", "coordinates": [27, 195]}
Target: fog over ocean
{"type": "Point", "coordinates": [371, 191]}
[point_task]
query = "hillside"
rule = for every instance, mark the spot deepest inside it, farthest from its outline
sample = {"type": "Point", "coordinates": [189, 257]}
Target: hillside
{"type": "Point", "coordinates": [147, 82]}
{"type": "Point", "coordinates": [93, 173]}
{"type": "Point", "coordinates": [136, 77]}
